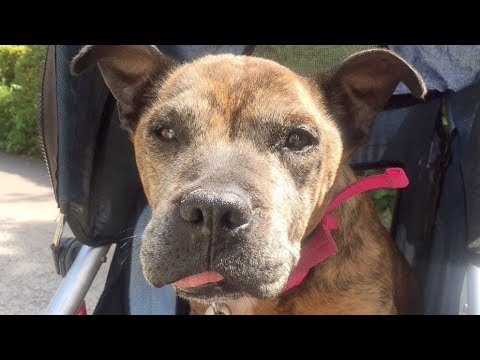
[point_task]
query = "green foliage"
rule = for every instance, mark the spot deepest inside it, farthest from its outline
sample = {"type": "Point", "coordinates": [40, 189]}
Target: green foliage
{"type": "Point", "coordinates": [383, 199]}
{"type": "Point", "coordinates": [18, 98]}
{"type": "Point", "coordinates": [9, 55]}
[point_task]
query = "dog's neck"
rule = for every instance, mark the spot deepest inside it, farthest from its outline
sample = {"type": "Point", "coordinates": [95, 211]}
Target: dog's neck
{"type": "Point", "coordinates": [357, 247]}
{"type": "Point", "coordinates": [347, 212]}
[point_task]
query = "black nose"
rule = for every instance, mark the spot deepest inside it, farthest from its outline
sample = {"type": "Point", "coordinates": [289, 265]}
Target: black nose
{"type": "Point", "coordinates": [217, 210]}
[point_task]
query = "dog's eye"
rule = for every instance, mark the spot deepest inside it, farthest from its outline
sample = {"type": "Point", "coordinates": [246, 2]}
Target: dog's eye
{"type": "Point", "coordinates": [298, 140]}
{"type": "Point", "coordinates": [166, 134]}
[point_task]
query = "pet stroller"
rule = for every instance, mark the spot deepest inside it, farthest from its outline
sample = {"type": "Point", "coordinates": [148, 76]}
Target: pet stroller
{"type": "Point", "coordinates": [433, 221]}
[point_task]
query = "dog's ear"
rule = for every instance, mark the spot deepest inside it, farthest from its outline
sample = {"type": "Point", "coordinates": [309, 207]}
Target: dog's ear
{"type": "Point", "coordinates": [359, 87]}
{"type": "Point", "coordinates": [128, 71]}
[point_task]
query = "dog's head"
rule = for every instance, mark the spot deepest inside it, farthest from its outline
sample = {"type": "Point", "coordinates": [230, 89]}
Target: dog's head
{"type": "Point", "coordinates": [237, 155]}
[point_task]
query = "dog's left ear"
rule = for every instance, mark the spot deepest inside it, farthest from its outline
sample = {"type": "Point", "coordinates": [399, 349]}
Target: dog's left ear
{"type": "Point", "coordinates": [358, 88]}
{"type": "Point", "coordinates": [128, 71]}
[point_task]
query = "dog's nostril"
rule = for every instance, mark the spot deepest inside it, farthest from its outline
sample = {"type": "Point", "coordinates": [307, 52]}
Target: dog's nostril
{"type": "Point", "coordinates": [191, 214]}
{"type": "Point", "coordinates": [231, 220]}
{"type": "Point", "coordinates": [226, 221]}
{"type": "Point", "coordinates": [196, 216]}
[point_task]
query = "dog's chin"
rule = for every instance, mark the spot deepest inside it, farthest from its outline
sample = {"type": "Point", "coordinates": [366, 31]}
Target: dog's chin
{"type": "Point", "coordinates": [221, 291]}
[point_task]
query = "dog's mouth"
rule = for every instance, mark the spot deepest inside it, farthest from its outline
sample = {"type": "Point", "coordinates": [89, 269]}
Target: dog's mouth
{"type": "Point", "coordinates": [207, 287]}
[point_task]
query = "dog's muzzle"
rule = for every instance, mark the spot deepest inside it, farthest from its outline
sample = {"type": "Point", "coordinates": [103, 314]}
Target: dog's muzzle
{"type": "Point", "coordinates": [212, 242]}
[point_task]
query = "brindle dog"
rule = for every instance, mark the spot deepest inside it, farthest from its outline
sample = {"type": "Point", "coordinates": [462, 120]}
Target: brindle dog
{"type": "Point", "coordinates": [239, 157]}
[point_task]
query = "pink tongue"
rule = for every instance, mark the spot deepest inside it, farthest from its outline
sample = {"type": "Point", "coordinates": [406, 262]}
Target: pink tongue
{"type": "Point", "coordinates": [199, 279]}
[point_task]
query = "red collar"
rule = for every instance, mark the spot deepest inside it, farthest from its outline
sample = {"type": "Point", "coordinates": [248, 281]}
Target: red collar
{"type": "Point", "coordinates": [321, 245]}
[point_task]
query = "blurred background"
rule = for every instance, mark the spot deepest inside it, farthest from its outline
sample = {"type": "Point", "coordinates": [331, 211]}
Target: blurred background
{"type": "Point", "coordinates": [28, 210]}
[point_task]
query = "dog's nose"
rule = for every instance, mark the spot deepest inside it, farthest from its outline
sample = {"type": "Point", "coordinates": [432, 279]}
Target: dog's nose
{"type": "Point", "coordinates": [218, 210]}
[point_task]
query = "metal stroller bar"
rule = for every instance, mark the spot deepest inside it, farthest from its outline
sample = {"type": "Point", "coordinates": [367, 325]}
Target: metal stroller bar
{"type": "Point", "coordinates": [78, 280]}
{"type": "Point", "coordinates": [473, 299]}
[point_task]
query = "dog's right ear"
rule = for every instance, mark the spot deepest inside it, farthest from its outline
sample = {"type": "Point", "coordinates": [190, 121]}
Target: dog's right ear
{"type": "Point", "coordinates": [128, 71]}
{"type": "Point", "coordinates": [359, 87]}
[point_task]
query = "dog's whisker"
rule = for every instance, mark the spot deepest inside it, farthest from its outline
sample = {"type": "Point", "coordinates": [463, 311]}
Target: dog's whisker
{"type": "Point", "coordinates": [129, 254]}
{"type": "Point", "coordinates": [126, 240]}
{"type": "Point", "coordinates": [139, 274]}
{"type": "Point", "coordinates": [136, 250]}
{"type": "Point", "coordinates": [130, 257]}
{"type": "Point", "coordinates": [124, 231]}
{"type": "Point", "coordinates": [125, 258]}
{"type": "Point", "coordinates": [125, 243]}
{"type": "Point", "coordinates": [135, 259]}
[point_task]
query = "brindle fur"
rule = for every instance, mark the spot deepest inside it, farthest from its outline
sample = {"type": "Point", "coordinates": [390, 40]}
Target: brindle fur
{"type": "Point", "coordinates": [230, 114]}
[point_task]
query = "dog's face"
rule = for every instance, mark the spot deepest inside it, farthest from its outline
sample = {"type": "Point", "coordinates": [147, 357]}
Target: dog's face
{"type": "Point", "coordinates": [237, 155]}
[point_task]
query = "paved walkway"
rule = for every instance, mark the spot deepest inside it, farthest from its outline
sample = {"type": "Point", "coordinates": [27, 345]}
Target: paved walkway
{"type": "Point", "coordinates": [27, 223]}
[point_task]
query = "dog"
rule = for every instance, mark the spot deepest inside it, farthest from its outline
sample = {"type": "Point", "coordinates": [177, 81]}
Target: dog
{"type": "Point", "coordinates": [239, 158]}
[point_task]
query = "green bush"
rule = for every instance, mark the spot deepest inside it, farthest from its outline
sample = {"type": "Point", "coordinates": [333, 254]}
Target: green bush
{"type": "Point", "coordinates": [18, 97]}
{"type": "Point", "coordinates": [9, 55]}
